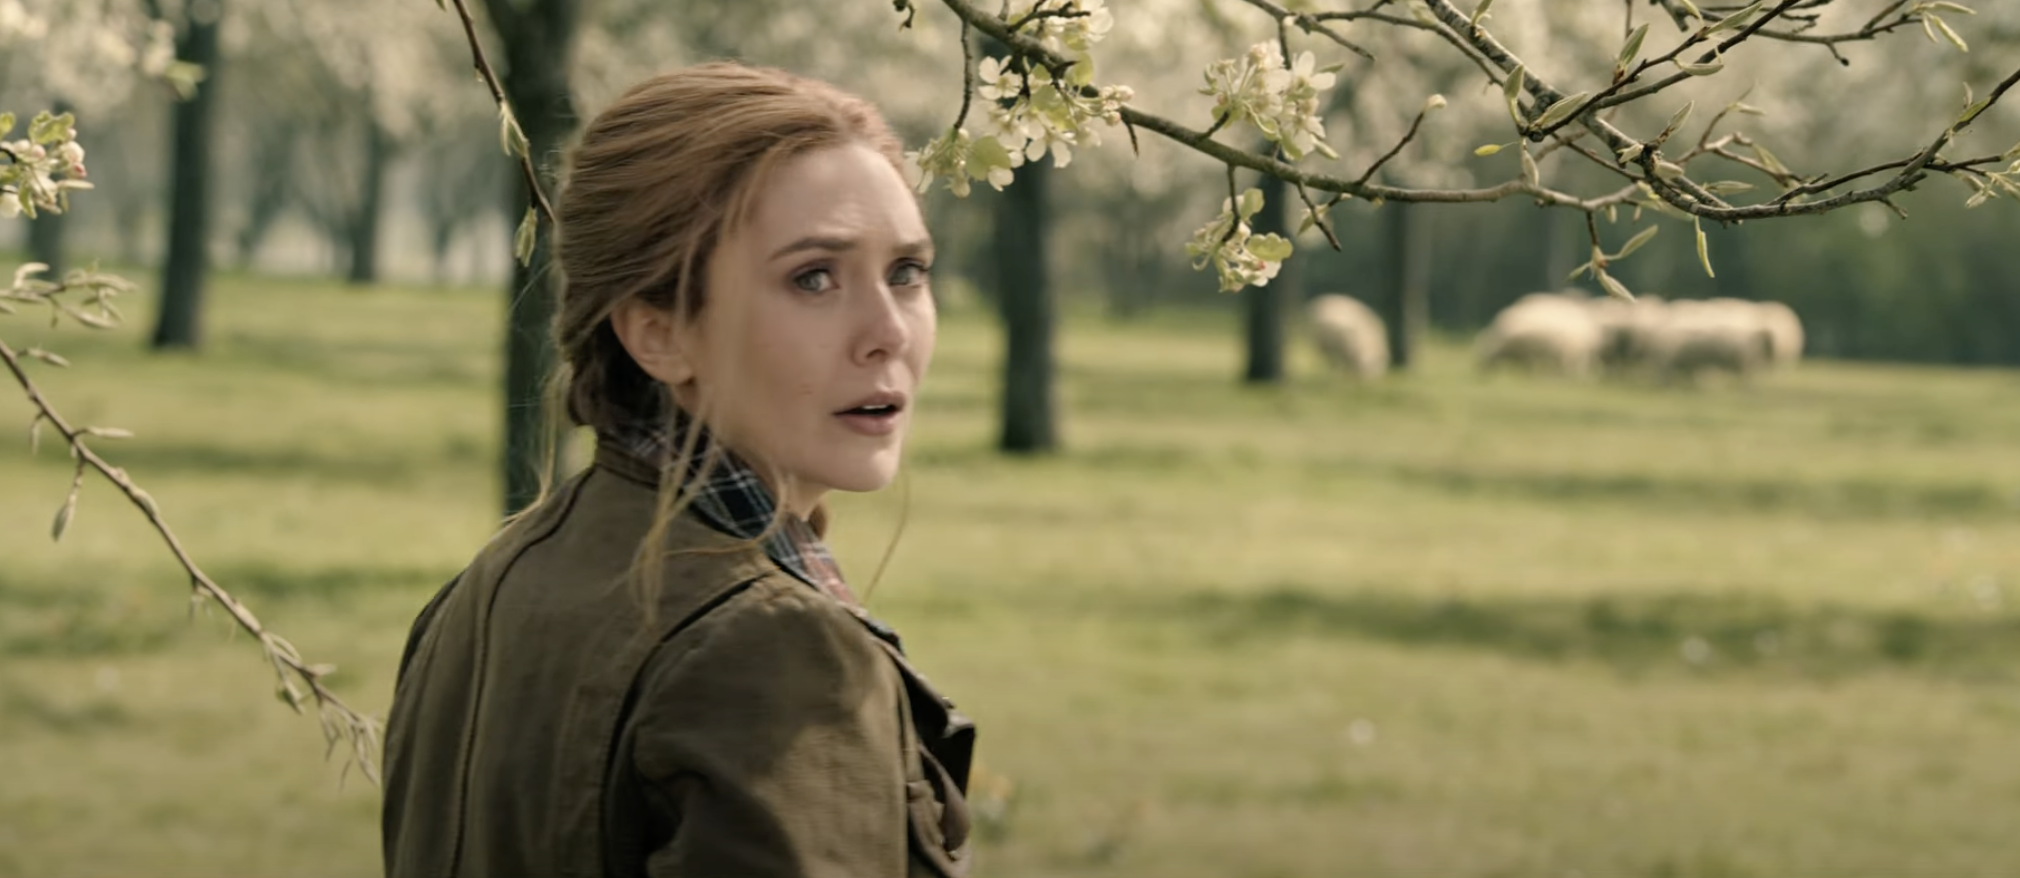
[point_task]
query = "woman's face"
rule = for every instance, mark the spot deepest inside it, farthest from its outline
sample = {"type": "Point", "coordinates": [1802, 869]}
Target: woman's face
{"type": "Point", "coordinates": [818, 325]}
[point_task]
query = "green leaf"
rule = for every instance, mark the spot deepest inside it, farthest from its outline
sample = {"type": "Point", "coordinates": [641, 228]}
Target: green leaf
{"type": "Point", "coordinates": [1480, 13]}
{"type": "Point", "coordinates": [63, 517]}
{"type": "Point", "coordinates": [1631, 49]}
{"type": "Point", "coordinates": [1728, 187]}
{"type": "Point", "coordinates": [1564, 109]}
{"type": "Point", "coordinates": [526, 237]}
{"type": "Point", "coordinates": [49, 357]}
{"type": "Point", "coordinates": [1948, 34]}
{"type": "Point", "coordinates": [1705, 69]}
{"type": "Point", "coordinates": [1971, 112]}
{"type": "Point", "coordinates": [1676, 120]}
{"type": "Point", "coordinates": [1251, 203]}
{"type": "Point", "coordinates": [1614, 288]}
{"type": "Point", "coordinates": [1692, 9]}
{"type": "Point", "coordinates": [1703, 251]}
{"type": "Point", "coordinates": [6, 123]}
{"type": "Point", "coordinates": [1636, 242]}
{"type": "Point", "coordinates": [1768, 160]}
{"type": "Point", "coordinates": [1530, 173]}
{"type": "Point", "coordinates": [1493, 148]}
{"type": "Point", "coordinates": [1270, 248]}
{"type": "Point", "coordinates": [46, 129]}
{"type": "Point", "coordinates": [1734, 20]}
{"type": "Point", "coordinates": [1511, 88]}
{"type": "Point", "coordinates": [988, 154]}
{"type": "Point", "coordinates": [510, 137]}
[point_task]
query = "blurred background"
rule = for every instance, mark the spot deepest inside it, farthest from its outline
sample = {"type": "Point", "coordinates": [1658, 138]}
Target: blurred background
{"type": "Point", "coordinates": [1219, 606]}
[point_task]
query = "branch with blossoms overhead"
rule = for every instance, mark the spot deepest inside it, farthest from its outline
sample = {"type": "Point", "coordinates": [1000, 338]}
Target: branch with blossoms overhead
{"type": "Point", "coordinates": [1045, 96]}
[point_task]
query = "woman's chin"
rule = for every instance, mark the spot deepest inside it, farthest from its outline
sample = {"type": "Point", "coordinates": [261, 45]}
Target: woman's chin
{"type": "Point", "coordinates": [862, 477]}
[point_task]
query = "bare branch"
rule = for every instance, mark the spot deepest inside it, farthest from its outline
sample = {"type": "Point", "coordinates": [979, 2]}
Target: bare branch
{"type": "Point", "coordinates": [967, 75]}
{"type": "Point", "coordinates": [1309, 24]}
{"type": "Point", "coordinates": [484, 71]}
{"type": "Point", "coordinates": [340, 722]}
{"type": "Point", "coordinates": [1407, 137]}
{"type": "Point", "coordinates": [1305, 196]}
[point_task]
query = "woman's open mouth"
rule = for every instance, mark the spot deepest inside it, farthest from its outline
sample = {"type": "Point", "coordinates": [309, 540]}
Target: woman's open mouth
{"type": "Point", "coordinates": [876, 415]}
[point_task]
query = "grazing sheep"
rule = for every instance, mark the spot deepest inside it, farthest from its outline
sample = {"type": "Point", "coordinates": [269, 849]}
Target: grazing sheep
{"type": "Point", "coordinates": [1350, 335]}
{"type": "Point", "coordinates": [1785, 329]}
{"type": "Point", "coordinates": [1549, 332]}
{"type": "Point", "coordinates": [1627, 331]}
{"type": "Point", "coordinates": [1715, 335]}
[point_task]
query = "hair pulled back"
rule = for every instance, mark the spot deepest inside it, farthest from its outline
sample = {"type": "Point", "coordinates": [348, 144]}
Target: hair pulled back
{"type": "Point", "coordinates": [653, 184]}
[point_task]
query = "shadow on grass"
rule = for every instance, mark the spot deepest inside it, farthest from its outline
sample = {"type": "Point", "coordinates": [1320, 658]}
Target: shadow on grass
{"type": "Point", "coordinates": [366, 363]}
{"type": "Point", "coordinates": [79, 618]}
{"type": "Point", "coordinates": [358, 467]}
{"type": "Point", "coordinates": [1850, 498]}
{"type": "Point", "coordinates": [1708, 632]}
{"type": "Point", "coordinates": [29, 709]}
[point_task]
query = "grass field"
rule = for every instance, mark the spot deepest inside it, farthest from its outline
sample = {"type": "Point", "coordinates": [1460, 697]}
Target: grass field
{"type": "Point", "coordinates": [1436, 627]}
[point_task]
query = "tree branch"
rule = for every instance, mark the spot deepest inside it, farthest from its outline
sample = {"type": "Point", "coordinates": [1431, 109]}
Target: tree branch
{"type": "Point", "coordinates": [1407, 137]}
{"type": "Point", "coordinates": [484, 71]}
{"type": "Point", "coordinates": [1309, 24]}
{"type": "Point", "coordinates": [339, 721]}
{"type": "Point", "coordinates": [1684, 194]}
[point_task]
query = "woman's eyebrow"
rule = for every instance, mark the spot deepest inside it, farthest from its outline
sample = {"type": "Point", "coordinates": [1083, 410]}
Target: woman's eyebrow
{"type": "Point", "coordinates": [841, 244]}
{"type": "Point", "coordinates": [833, 243]}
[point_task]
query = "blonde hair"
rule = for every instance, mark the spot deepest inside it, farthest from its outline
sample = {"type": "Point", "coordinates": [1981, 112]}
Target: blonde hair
{"type": "Point", "coordinates": [652, 186]}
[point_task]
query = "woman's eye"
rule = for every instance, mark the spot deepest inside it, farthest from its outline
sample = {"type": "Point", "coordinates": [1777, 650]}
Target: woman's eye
{"type": "Point", "coordinates": [908, 274]}
{"type": "Point", "coordinates": [819, 280]}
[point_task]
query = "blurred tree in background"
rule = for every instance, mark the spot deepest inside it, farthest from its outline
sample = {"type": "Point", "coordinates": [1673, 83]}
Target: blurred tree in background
{"type": "Point", "coordinates": [348, 138]}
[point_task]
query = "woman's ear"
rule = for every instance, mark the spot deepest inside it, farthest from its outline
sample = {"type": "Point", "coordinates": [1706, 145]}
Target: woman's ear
{"type": "Point", "coordinates": [652, 337]}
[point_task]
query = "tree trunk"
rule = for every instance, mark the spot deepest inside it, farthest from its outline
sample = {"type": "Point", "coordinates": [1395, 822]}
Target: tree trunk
{"type": "Point", "coordinates": [179, 323]}
{"type": "Point", "coordinates": [1265, 306]}
{"type": "Point", "coordinates": [1024, 296]}
{"type": "Point", "coordinates": [441, 237]}
{"type": "Point", "coordinates": [273, 168]}
{"type": "Point", "coordinates": [364, 231]}
{"type": "Point", "coordinates": [1406, 301]}
{"type": "Point", "coordinates": [538, 39]}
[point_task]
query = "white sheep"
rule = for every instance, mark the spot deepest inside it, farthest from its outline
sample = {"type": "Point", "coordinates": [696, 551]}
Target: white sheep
{"type": "Point", "coordinates": [1785, 329]}
{"type": "Point", "coordinates": [1628, 329]}
{"type": "Point", "coordinates": [1350, 335]}
{"type": "Point", "coordinates": [1715, 335]}
{"type": "Point", "coordinates": [1551, 332]}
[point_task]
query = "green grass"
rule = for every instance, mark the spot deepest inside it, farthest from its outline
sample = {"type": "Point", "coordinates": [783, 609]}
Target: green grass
{"type": "Point", "coordinates": [1436, 627]}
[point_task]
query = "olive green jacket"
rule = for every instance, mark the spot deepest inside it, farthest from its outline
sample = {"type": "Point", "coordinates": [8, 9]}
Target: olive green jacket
{"type": "Point", "coordinates": [545, 726]}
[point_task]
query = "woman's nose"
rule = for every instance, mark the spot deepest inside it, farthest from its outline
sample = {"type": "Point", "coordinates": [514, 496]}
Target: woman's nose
{"type": "Point", "coordinates": [882, 331]}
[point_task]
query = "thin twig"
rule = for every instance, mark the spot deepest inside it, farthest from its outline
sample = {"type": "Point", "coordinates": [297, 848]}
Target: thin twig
{"type": "Point", "coordinates": [339, 720]}
{"type": "Point", "coordinates": [1309, 24]}
{"type": "Point", "coordinates": [967, 76]}
{"type": "Point", "coordinates": [1407, 137]}
{"type": "Point", "coordinates": [1611, 95]}
{"type": "Point", "coordinates": [1319, 220]}
{"type": "Point", "coordinates": [1233, 206]}
{"type": "Point", "coordinates": [483, 65]}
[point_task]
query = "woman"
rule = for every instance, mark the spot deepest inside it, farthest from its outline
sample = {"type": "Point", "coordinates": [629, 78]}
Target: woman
{"type": "Point", "coordinates": [658, 670]}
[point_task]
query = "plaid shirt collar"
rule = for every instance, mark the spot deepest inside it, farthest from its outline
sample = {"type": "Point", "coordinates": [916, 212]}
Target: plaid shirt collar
{"type": "Point", "coordinates": [733, 500]}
